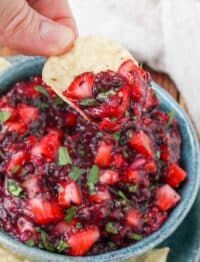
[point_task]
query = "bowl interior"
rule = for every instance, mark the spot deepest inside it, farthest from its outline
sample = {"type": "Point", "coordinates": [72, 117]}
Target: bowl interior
{"type": "Point", "coordinates": [190, 159]}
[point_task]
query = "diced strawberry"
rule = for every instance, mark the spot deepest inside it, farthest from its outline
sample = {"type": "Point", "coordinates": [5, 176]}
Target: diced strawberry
{"type": "Point", "coordinates": [16, 162]}
{"type": "Point", "coordinates": [142, 143]}
{"type": "Point", "coordinates": [27, 113]}
{"type": "Point", "coordinates": [71, 119]}
{"type": "Point", "coordinates": [3, 101]}
{"type": "Point", "coordinates": [45, 211]}
{"type": "Point", "coordinates": [69, 193]}
{"type": "Point", "coordinates": [150, 167]}
{"type": "Point", "coordinates": [174, 175]}
{"type": "Point", "coordinates": [81, 242]}
{"type": "Point", "coordinates": [118, 160]}
{"type": "Point", "coordinates": [108, 125]}
{"type": "Point", "coordinates": [81, 87]}
{"type": "Point", "coordinates": [104, 154]}
{"type": "Point", "coordinates": [102, 195]}
{"type": "Point", "coordinates": [16, 126]}
{"type": "Point", "coordinates": [109, 177]}
{"type": "Point", "coordinates": [32, 186]}
{"type": "Point", "coordinates": [48, 146]}
{"type": "Point", "coordinates": [166, 197]}
{"type": "Point", "coordinates": [123, 93]}
{"type": "Point", "coordinates": [31, 141]}
{"type": "Point", "coordinates": [151, 100]}
{"type": "Point", "coordinates": [138, 163]}
{"type": "Point", "coordinates": [134, 218]}
{"type": "Point", "coordinates": [63, 228]}
{"type": "Point", "coordinates": [132, 176]}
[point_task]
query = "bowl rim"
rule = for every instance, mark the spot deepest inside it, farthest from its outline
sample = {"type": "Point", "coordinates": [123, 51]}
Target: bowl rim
{"type": "Point", "coordinates": [149, 242]}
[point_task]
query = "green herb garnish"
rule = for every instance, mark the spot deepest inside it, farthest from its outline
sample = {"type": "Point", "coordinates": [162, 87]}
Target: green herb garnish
{"type": "Point", "coordinates": [4, 116]}
{"type": "Point", "coordinates": [15, 169]}
{"type": "Point", "coordinates": [93, 178]}
{"type": "Point", "coordinates": [79, 225]}
{"type": "Point", "coordinates": [44, 105]}
{"type": "Point", "coordinates": [70, 214]}
{"type": "Point", "coordinates": [63, 156]}
{"type": "Point", "coordinates": [122, 195]}
{"type": "Point", "coordinates": [42, 90]}
{"type": "Point", "coordinates": [116, 136]}
{"type": "Point", "coordinates": [58, 101]}
{"type": "Point", "coordinates": [134, 236]}
{"type": "Point", "coordinates": [89, 102]}
{"type": "Point", "coordinates": [44, 243]}
{"type": "Point", "coordinates": [171, 115]}
{"type": "Point", "coordinates": [30, 243]}
{"type": "Point", "coordinates": [105, 95]}
{"type": "Point", "coordinates": [133, 188]}
{"type": "Point", "coordinates": [157, 155]}
{"type": "Point", "coordinates": [125, 154]}
{"type": "Point", "coordinates": [62, 246]}
{"type": "Point", "coordinates": [14, 188]}
{"type": "Point", "coordinates": [76, 173]}
{"type": "Point", "coordinates": [111, 228]}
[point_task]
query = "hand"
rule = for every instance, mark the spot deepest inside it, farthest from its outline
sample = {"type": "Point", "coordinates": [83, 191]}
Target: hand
{"type": "Point", "coordinates": [37, 27]}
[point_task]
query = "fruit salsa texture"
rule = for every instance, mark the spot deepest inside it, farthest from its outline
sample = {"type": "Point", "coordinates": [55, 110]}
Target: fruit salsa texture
{"type": "Point", "coordinates": [76, 187]}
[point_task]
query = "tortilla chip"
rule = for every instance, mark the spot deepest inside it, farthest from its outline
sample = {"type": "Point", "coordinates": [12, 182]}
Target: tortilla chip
{"type": "Point", "coordinates": [154, 255]}
{"type": "Point", "coordinates": [89, 54]}
{"type": "Point", "coordinates": [4, 64]}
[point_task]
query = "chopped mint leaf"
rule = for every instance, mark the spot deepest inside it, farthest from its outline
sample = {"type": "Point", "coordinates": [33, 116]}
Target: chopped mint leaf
{"type": "Point", "coordinates": [122, 195]}
{"type": "Point", "coordinates": [111, 228]}
{"type": "Point", "coordinates": [134, 236]}
{"type": "Point", "coordinates": [76, 173]}
{"type": "Point", "coordinates": [152, 187]}
{"type": "Point", "coordinates": [125, 154]}
{"type": "Point", "coordinates": [44, 243]}
{"type": "Point", "coordinates": [171, 115]}
{"type": "Point", "coordinates": [14, 188]}
{"type": "Point", "coordinates": [44, 105]}
{"type": "Point", "coordinates": [93, 178]}
{"type": "Point", "coordinates": [30, 243]}
{"type": "Point", "coordinates": [105, 95]}
{"type": "Point", "coordinates": [127, 113]}
{"type": "Point", "coordinates": [63, 156]}
{"type": "Point", "coordinates": [62, 245]}
{"type": "Point", "coordinates": [157, 155]}
{"type": "Point", "coordinates": [133, 188]}
{"type": "Point", "coordinates": [58, 101]}
{"type": "Point", "coordinates": [70, 214]}
{"type": "Point", "coordinates": [89, 102]}
{"type": "Point", "coordinates": [4, 116]}
{"type": "Point", "coordinates": [42, 90]}
{"type": "Point", "coordinates": [15, 169]}
{"type": "Point", "coordinates": [116, 136]}
{"type": "Point", "coordinates": [135, 118]}
{"type": "Point", "coordinates": [79, 225]}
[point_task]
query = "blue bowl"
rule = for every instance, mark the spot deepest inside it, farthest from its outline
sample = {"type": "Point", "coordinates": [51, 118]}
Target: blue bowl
{"type": "Point", "coordinates": [190, 160]}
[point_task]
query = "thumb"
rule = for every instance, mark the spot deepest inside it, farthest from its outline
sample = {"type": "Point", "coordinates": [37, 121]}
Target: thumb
{"type": "Point", "coordinates": [25, 30]}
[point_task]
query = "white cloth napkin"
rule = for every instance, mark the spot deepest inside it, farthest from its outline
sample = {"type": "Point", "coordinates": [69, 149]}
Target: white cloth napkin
{"type": "Point", "coordinates": [163, 33]}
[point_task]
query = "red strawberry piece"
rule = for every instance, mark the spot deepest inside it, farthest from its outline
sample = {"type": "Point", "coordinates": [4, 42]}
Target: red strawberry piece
{"type": "Point", "coordinates": [142, 144]}
{"type": "Point", "coordinates": [104, 154]}
{"type": "Point", "coordinates": [118, 160]}
{"type": "Point", "coordinates": [16, 126]}
{"type": "Point", "coordinates": [109, 177]}
{"type": "Point", "coordinates": [129, 70]}
{"type": "Point", "coordinates": [151, 100]}
{"type": "Point", "coordinates": [155, 218]}
{"type": "Point", "coordinates": [134, 218]}
{"type": "Point", "coordinates": [138, 163]}
{"type": "Point", "coordinates": [69, 193]}
{"type": "Point", "coordinates": [63, 228]}
{"type": "Point", "coordinates": [132, 176]}
{"type": "Point", "coordinates": [32, 186]}
{"type": "Point", "coordinates": [81, 87]}
{"type": "Point", "coordinates": [174, 175]}
{"type": "Point", "coordinates": [123, 93]}
{"type": "Point", "coordinates": [166, 197]}
{"type": "Point", "coordinates": [102, 195]}
{"type": "Point", "coordinates": [108, 125]}
{"type": "Point", "coordinates": [48, 146]}
{"type": "Point", "coordinates": [3, 101]}
{"type": "Point", "coordinates": [150, 167]}
{"type": "Point", "coordinates": [28, 90]}
{"type": "Point", "coordinates": [71, 119]}
{"type": "Point", "coordinates": [16, 162]}
{"type": "Point", "coordinates": [45, 211]}
{"type": "Point", "coordinates": [81, 242]}
{"type": "Point", "coordinates": [28, 114]}
{"type": "Point", "coordinates": [31, 141]}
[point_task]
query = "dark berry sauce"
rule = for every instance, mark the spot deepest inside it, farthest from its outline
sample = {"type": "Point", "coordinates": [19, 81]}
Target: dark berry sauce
{"type": "Point", "coordinates": [74, 187]}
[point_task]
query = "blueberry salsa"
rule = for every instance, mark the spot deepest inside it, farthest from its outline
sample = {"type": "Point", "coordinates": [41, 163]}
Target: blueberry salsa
{"type": "Point", "coordinates": [82, 187]}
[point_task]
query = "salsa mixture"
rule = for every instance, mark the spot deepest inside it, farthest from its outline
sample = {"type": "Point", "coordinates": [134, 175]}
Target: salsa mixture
{"type": "Point", "coordinates": [77, 187]}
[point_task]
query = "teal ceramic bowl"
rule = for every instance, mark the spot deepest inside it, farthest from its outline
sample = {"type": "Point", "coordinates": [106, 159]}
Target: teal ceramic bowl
{"type": "Point", "coordinates": [22, 69]}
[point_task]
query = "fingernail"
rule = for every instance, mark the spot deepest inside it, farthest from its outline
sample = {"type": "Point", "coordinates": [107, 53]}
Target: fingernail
{"type": "Point", "coordinates": [57, 37]}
